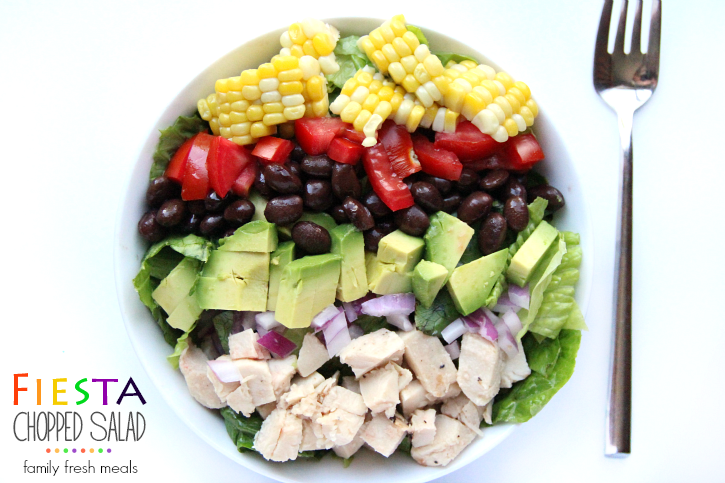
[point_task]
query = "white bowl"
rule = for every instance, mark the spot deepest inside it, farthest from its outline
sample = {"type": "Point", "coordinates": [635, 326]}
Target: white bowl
{"type": "Point", "coordinates": [152, 349]}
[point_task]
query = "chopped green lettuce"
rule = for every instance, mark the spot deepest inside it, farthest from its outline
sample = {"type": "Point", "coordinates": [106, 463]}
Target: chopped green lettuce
{"type": "Point", "coordinates": [552, 364]}
{"type": "Point", "coordinates": [172, 138]}
{"type": "Point", "coordinates": [418, 33]}
{"type": "Point", "coordinates": [370, 323]}
{"type": "Point", "coordinates": [432, 320]}
{"type": "Point", "coordinates": [446, 57]}
{"type": "Point", "coordinates": [296, 336]}
{"type": "Point", "coordinates": [181, 344]}
{"type": "Point", "coordinates": [240, 428]}
{"type": "Point", "coordinates": [223, 323]}
{"type": "Point", "coordinates": [314, 454]}
{"type": "Point", "coordinates": [350, 59]}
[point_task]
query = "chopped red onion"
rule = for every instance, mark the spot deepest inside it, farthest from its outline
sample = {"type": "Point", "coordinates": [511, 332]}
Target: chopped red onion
{"type": "Point", "coordinates": [486, 328]}
{"type": "Point", "coordinates": [504, 304]}
{"type": "Point", "coordinates": [453, 349]}
{"type": "Point", "coordinates": [397, 303]}
{"type": "Point", "coordinates": [491, 316]}
{"type": "Point", "coordinates": [337, 324]}
{"type": "Point", "coordinates": [337, 334]}
{"type": "Point", "coordinates": [326, 315]}
{"type": "Point", "coordinates": [454, 330]}
{"type": "Point", "coordinates": [506, 340]}
{"type": "Point", "coordinates": [519, 296]}
{"type": "Point", "coordinates": [277, 344]}
{"type": "Point", "coordinates": [400, 321]}
{"type": "Point", "coordinates": [266, 321]}
{"type": "Point", "coordinates": [225, 370]}
{"type": "Point", "coordinates": [350, 311]}
{"type": "Point", "coordinates": [512, 321]}
{"type": "Point", "coordinates": [355, 331]}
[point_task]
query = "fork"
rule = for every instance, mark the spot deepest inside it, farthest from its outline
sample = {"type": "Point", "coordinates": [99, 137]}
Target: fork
{"type": "Point", "coordinates": [625, 82]}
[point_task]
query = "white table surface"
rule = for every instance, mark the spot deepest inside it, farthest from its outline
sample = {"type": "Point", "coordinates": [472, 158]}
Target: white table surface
{"type": "Point", "coordinates": [82, 83]}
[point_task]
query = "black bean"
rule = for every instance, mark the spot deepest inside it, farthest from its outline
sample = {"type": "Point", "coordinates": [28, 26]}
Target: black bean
{"type": "Point", "coordinates": [468, 182]}
{"type": "Point", "coordinates": [516, 213]}
{"type": "Point", "coordinates": [260, 184]}
{"type": "Point", "coordinates": [297, 153]}
{"type": "Point", "coordinates": [311, 237]}
{"type": "Point", "coordinates": [360, 170]}
{"type": "Point", "coordinates": [345, 182]}
{"type": "Point", "coordinates": [281, 179]}
{"type": "Point", "coordinates": [213, 203]}
{"type": "Point", "coordinates": [190, 223]}
{"type": "Point", "coordinates": [475, 207]}
{"type": "Point", "coordinates": [318, 194]}
{"type": "Point", "coordinates": [494, 179]}
{"type": "Point", "coordinates": [197, 207]}
{"type": "Point", "coordinates": [338, 214]}
{"type": "Point", "coordinates": [284, 210]}
{"type": "Point", "coordinates": [492, 234]}
{"type": "Point", "coordinates": [386, 224]}
{"type": "Point", "coordinates": [317, 166]}
{"type": "Point", "coordinates": [171, 212]}
{"type": "Point", "coordinates": [239, 212]}
{"type": "Point", "coordinates": [452, 201]}
{"type": "Point", "coordinates": [150, 229]}
{"type": "Point", "coordinates": [359, 216]}
{"type": "Point", "coordinates": [161, 189]}
{"type": "Point", "coordinates": [427, 196]}
{"type": "Point", "coordinates": [212, 224]}
{"type": "Point", "coordinates": [376, 206]}
{"type": "Point", "coordinates": [412, 221]}
{"type": "Point", "coordinates": [550, 194]}
{"type": "Point", "coordinates": [442, 185]}
{"type": "Point", "coordinates": [513, 188]}
{"type": "Point", "coordinates": [228, 232]}
{"type": "Point", "coordinates": [294, 168]}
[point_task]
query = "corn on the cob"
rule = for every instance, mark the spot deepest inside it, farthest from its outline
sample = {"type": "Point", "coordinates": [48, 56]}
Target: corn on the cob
{"type": "Point", "coordinates": [314, 38]}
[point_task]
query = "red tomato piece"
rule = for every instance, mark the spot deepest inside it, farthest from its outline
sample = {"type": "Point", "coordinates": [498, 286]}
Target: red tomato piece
{"type": "Point", "coordinates": [315, 134]}
{"type": "Point", "coordinates": [245, 180]}
{"type": "Point", "coordinates": [344, 151]}
{"type": "Point", "coordinates": [386, 184]}
{"type": "Point", "coordinates": [350, 133]}
{"type": "Point", "coordinates": [436, 162]}
{"type": "Point", "coordinates": [177, 165]}
{"type": "Point", "coordinates": [468, 142]}
{"type": "Point", "coordinates": [523, 151]}
{"type": "Point", "coordinates": [399, 146]}
{"type": "Point", "coordinates": [270, 149]}
{"type": "Point", "coordinates": [226, 160]}
{"type": "Point", "coordinates": [196, 178]}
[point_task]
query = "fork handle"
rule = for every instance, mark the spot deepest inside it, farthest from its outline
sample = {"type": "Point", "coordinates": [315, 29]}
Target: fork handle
{"type": "Point", "coordinates": [619, 408]}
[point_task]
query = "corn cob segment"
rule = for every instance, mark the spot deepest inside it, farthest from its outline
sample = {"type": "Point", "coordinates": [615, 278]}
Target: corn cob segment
{"type": "Point", "coordinates": [314, 38]}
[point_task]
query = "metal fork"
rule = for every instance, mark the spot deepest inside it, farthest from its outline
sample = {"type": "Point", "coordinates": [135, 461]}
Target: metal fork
{"type": "Point", "coordinates": [625, 82]}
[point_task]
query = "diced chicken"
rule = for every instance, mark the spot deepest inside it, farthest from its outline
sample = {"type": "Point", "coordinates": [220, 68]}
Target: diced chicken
{"type": "Point", "coordinates": [349, 382]}
{"type": "Point", "coordinates": [515, 369]}
{"type": "Point", "coordinates": [462, 409]}
{"type": "Point", "coordinates": [300, 388]}
{"type": "Point", "coordinates": [479, 369]}
{"type": "Point", "coordinates": [339, 397]}
{"type": "Point", "coordinates": [282, 371]}
{"type": "Point", "coordinates": [313, 379]}
{"type": "Point", "coordinates": [310, 405]}
{"type": "Point", "coordinates": [257, 376]}
{"type": "Point", "coordinates": [347, 450]}
{"type": "Point", "coordinates": [313, 354]}
{"type": "Point", "coordinates": [379, 389]}
{"type": "Point", "coordinates": [452, 392]}
{"type": "Point", "coordinates": [241, 400]}
{"type": "Point", "coordinates": [222, 389]}
{"type": "Point", "coordinates": [450, 439]}
{"type": "Point", "coordinates": [413, 397]}
{"type": "Point", "coordinates": [243, 345]}
{"type": "Point", "coordinates": [488, 413]}
{"type": "Point", "coordinates": [313, 438]}
{"type": "Point", "coordinates": [423, 427]}
{"type": "Point", "coordinates": [340, 426]}
{"type": "Point", "coordinates": [405, 377]}
{"type": "Point", "coordinates": [372, 350]}
{"type": "Point", "coordinates": [280, 437]}
{"type": "Point", "coordinates": [266, 409]}
{"type": "Point", "coordinates": [384, 435]}
{"type": "Point", "coordinates": [193, 365]}
{"type": "Point", "coordinates": [429, 361]}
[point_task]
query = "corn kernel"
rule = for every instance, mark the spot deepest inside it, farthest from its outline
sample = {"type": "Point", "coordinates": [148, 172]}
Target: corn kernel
{"type": "Point", "coordinates": [265, 71]}
{"type": "Point", "coordinates": [401, 48]}
{"type": "Point", "coordinates": [452, 74]}
{"type": "Point", "coordinates": [506, 80]}
{"type": "Point", "coordinates": [370, 102]}
{"type": "Point", "coordinates": [491, 88]}
{"type": "Point", "coordinates": [204, 110]}
{"type": "Point", "coordinates": [350, 112]}
{"type": "Point", "coordinates": [214, 125]}
{"type": "Point", "coordinates": [515, 104]}
{"type": "Point", "coordinates": [403, 111]}
{"type": "Point", "coordinates": [241, 129]}
{"type": "Point", "coordinates": [397, 72]}
{"type": "Point", "coordinates": [328, 64]}
{"type": "Point", "coordinates": [411, 41]}
{"type": "Point", "coordinates": [432, 91]}
{"type": "Point", "coordinates": [272, 107]}
{"type": "Point", "coordinates": [249, 77]}
{"type": "Point", "coordinates": [527, 115]}
{"type": "Point", "coordinates": [293, 100]}
{"type": "Point", "coordinates": [375, 86]}
{"type": "Point", "coordinates": [234, 96]}
{"type": "Point", "coordinates": [455, 96]}
{"type": "Point", "coordinates": [390, 54]}
{"type": "Point", "coordinates": [484, 93]}
{"type": "Point", "coordinates": [316, 88]}
{"type": "Point", "coordinates": [259, 129]}
{"type": "Point", "coordinates": [504, 105]}
{"type": "Point", "coordinates": [422, 52]}
{"type": "Point", "coordinates": [429, 116]}
{"type": "Point", "coordinates": [520, 122]}
{"type": "Point", "coordinates": [309, 49]}
{"type": "Point", "coordinates": [409, 63]}
{"type": "Point", "coordinates": [420, 74]}
{"type": "Point", "coordinates": [297, 34]}
{"type": "Point", "coordinates": [414, 118]}
{"type": "Point", "coordinates": [514, 91]}
{"type": "Point", "coordinates": [286, 130]}
{"type": "Point", "coordinates": [255, 113]}
{"type": "Point", "coordinates": [377, 39]}
{"type": "Point", "coordinates": [297, 51]}
{"type": "Point", "coordinates": [292, 113]}
{"type": "Point", "coordinates": [237, 117]}
{"type": "Point", "coordinates": [396, 101]}
{"type": "Point", "coordinates": [339, 104]}
{"type": "Point", "coordinates": [240, 106]}
{"type": "Point", "coordinates": [398, 27]}
{"type": "Point", "coordinates": [383, 109]}
{"type": "Point", "coordinates": [464, 83]}
{"type": "Point", "coordinates": [274, 118]}
{"type": "Point", "coordinates": [323, 43]}
{"type": "Point", "coordinates": [319, 108]}
{"type": "Point", "coordinates": [224, 120]}
{"type": "Point", "coordinates": [380, 61]}
{"type": "Point", "coordinates": [290, 75]}
{"type": "Point", "coordinates": [501, 88]}
{"type": "Point", "coordinates": [531, 104]}
{"type": "Point", "coordinates": [410, 84]}
{"type": "Point", "coordinates": [361, 120]}
{"type": "Point", "coordinates": [496, 109]}
{"type": "Point", "coordinates": [468, 64]}
{"type": "Point", "coordinates": [441, 82]}
{"type": "Point", "coordinates": [367, 46]}
{"type": "Point", "coordinates": [486, 122]}
{"type": "Point", "coordinates": [289, 88]}
{"type": "Point", "coordinates": [225, 132]}
{"type": "Point", "coordinates": [221, 85]}
{"type": "Point", "coordinates": [364, 78]}
{"type": "Point", "coordinates": [387, 33]}
{"type": "Point", "coordinates": [268, 84]}
{"type": "Point", "coordinates": [225, 108]}
{"type": "Point", "coordinates": [487, 70]}
{"type": "Point", "coordinates": [285, 62]}
{"type": "Point", "coordinates": [472, 104]}
{"type": "Point", "coordinates": [511, 128]}
{"type": "Point", "coordinates": [242, 140]}
{"type": "Point", "coordinates": [385, 93]}
{"type": "Point", "coordinates": [349, 87]}
{"type": "Point", "coordinates": [450, 121]}
{"type": "Point", "coordinates": [360, 94]}
{"type": "Point", "coordinates": [284, 40]}
{"type": "Point", "coordinates": [251, 93]}
{"type": "Point", "coordinates": [423, 96]}
{"type": "Point", "coordinates": [234, 83]}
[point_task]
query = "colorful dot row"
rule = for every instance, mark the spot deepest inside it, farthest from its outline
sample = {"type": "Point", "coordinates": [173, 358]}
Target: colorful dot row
{"type": "Point", "coordinates": [82, 450]}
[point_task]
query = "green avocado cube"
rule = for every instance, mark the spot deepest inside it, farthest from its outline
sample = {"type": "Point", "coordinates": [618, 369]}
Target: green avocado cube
{"type": "Point", "coordinates": [446, 239]}
{"type": "Point", "coordinates": [231, 293]}
{"type": "Point", "coordinates": [428, 279]}
{"type": "Point", "coordinates": [401, 249]}
{"type": "Point", "coordinates": [524, 262]}
{"type": "Point", "coordinates": [185, 314]}
{"type": "Point", "coordinates": [245, 265]}
{"type": "Point", "coordinates": [383, 278]}
{"type": "Point", "coordinates": [177, 284]}
{"type": "Point", "coordinates": [350, 245]}
{"type": "Point", "coordinates": [279, 259]}
{"type": "Point", "coordinates": [308, 285]}
{"type": "Point", "coordinates": [470, 284]}
{"type": "Point", "coordinates": [260, 203]}
{"type": "Point", "coordinates": [255, 236]}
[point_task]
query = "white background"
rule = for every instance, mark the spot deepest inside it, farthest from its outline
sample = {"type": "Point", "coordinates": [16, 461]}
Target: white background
{"type": "Point", "coordinates": [82, 84]}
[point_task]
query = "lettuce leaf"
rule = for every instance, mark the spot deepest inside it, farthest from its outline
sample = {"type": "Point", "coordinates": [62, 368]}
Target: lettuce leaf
{"type": "Point", "coordinates": [446, 57]}
{"type": "Point", "coordinates": [552, 364]}
{"type": "Point", "coordinates": [223, 323]}
{"type": "Point", "coordinates": [350, 59]}
{"type": "Point", "coordinates": [241, 429]}
{"type": "Point", "coordinates": [181, 344]}
{"type": "Point", "coordinates": [370, 323]}
{"type": "Point", "coordinates": [434, 319]}
{"type": "Point", "coordinates": [172, 138]}
{"type": "Point", "coordinates": [418, 33]}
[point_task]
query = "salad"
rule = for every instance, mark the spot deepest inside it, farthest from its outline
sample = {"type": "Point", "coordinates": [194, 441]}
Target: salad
{"type": "Point", "coordinates": [350, 247]}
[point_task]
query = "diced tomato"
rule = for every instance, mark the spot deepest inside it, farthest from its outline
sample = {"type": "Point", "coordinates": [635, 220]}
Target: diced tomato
{"type": "Point", "coordinates": [350, 133]}
{"type": "Point", "coordinates": [399, 146]}
{"type": "Point", "coordinates": [244, 181]}
{"type": "Point", "coordinates": [468, 142]}
{"type": "Point", "coordinates": [195, 185]}
{"type": "Point", "coordinates": [177, 165]}
{"type": "Point", "coordinates": [315, 134]}
{"type": "Point", "coordinates": [344, 151]}
{"type": "Point", "coordinates": [523, 151]}
{"type": "Point", "coordinates": [436, 162]}
{"type": "Point", "coordinates": [270, 149]}
{"type": "Point", "coordinates": [386, 184]}
{"type": "Point", "coordinates": [226, 160]}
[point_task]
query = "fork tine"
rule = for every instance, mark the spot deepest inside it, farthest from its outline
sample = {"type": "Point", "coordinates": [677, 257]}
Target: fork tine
{"type": "Point", "coordinates": [619, 39]}
{"type": "Point", "coordinates": [603, 33]}
{"type": "Point", "coordinates": [637, 29]}
{"type": "Point", "coordinates": [653, 48]}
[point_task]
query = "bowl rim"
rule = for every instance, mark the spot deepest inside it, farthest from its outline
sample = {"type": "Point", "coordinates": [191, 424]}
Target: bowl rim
{"type": "Point", "coordinates": [268, 469]}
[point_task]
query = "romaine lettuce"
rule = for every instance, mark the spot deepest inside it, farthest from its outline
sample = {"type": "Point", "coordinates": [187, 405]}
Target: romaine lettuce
{"type": "Point", "coordinates": [240, 428]}
{"type": "Point", "coordinates": [181, 344]}
{"type": "Point", "coordinates": [350, 59]}
{"type": "Point", "coordinates": [172, 138]}
{"type": "Point", "coordinates": [223, 323]}
{"type": "Point", "coordinates": [446, 57]}
{"type": "Point", "coordinates": [432, 320]}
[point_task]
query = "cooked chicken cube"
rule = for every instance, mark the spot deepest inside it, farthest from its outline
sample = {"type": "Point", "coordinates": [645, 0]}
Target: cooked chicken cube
{"type": "Point", "coordinates": [384, 435]}
{"type": "Point", "coordinates": [515, 369]}
{"type": "Point", "coordinates": [266, 409]}
{"type": "Point", "coordinates": [405, 377]}
{"type": "Point", "coordinates": [193, 365]}
{"type": "Point", "coordinates": [450, 439]}
{"type": "Point", "coordinates": [429, 361]}
{"type": "Point", "coordinates": [313, 438]}
{"type": "Point", "coordinates": [300, 388]}
{"type": "Point", "coordinates": [347, 450]}
{"type": "Point", "coordinates": [313, 379]}
{"type": "Point", "coordinates": [309, 406]}
{"type": "Point", "coordinates": [257, 376]}
{"type": "Point", "coordinates": [339, 397]}
{"type": "Point", "coordinates": [413, 397]}
{"type": "Point", "coordinates": [379, 389]}
{"type": "Point", "coordinates": [282, 371]}
{"type": "Point", "coordinates": [243, 345]}
{"type": "Point", "coordinates": [488, 413]}
{"type": "Point", "coordinates": [222, 389]}
{"type": "Point", "coordinates": [462, 409]}
{"type": "Point", "coordinates": [372, 350]}
{"type": "Point", "coordinates": [349, 382]}
{"type": "Point", "coordinates": [452, 392]}
{"type": "Point", "coordinates": [340, 426]}
{"type": "Point", "coordinates": [313, 354]}
{"type": "Point", "coordinates": [423, 427]}
{"type": "Point", "coordinates": [280, 437]}
{"type": "Point", "coordinates": [241, 400]}
{"type": "Point", "coordinates": [479, 368]}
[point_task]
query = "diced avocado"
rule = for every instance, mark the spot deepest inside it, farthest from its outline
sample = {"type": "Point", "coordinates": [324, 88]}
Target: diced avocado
{"type": "Point", "coordinates": [245, 265]}
{"type": "Point", "coordinates": [525, 261]}
{"type": "Point", "coordinates": [383, 278]}
{"type": "Point", "coordinates": [322, 219]}
{"type": "Point", "coordinates": [428, 279]}
{"type": "Point", "coordinates": [403, 250]}
{"type": "Point", "coordinates": [255, 236]}
{"type": "Point", "coordinates": [350, 245]}
{"type": "Point", "coordinates": [279, 259]}
{"type": "Point", "coordinates": [308, 285]}
{"type": "Point", "coordinates": [177, 284]}
{"type": "Point", "coordinates": [470, 284]}
{"type": "Point", "coordinates": [446, 240]}
{"type": "Point", "coordinates": [260, 203]}
{"type": "Point", "coordinates": [185, 314]}
{"type": "Point", "coordinates": [231, 293]}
